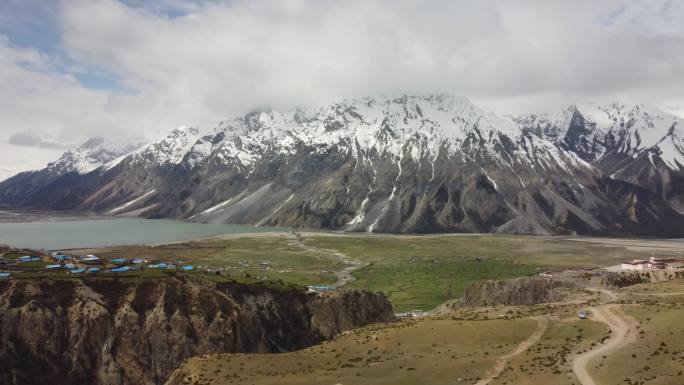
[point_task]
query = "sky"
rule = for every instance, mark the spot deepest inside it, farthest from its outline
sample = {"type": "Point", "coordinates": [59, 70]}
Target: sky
{"type": "Point", "coordinates": [123, 69]}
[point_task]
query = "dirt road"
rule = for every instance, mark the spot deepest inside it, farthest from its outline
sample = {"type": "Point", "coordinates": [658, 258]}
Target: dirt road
{"type": "Point", "coordinates": [344, 276]}
{"type": "Point", "coordinates": [623, 332]}
{"type": "Point", "coordinates": [542, 324]}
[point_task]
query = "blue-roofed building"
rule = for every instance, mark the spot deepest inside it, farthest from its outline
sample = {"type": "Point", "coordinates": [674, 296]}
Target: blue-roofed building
{"type": "Point", "coordinates": [69, 266]}
{"type": "Point", "coordinates": [53, 267]}
{"type": "Point", "coordinates": [61, 257]}
{"type": "Point", "coordinates": [188, 268]}
{"type": "Point", "coordinates": [28, 258]}
{"type": "Point", "coordinates": [138, 261]}
{"type": "Point", "coordinates": [170, 266]}
{"type": "Point", "coordinates": [119, 261]}
{"type": "Point", "coordinates": [77, 271]}
{"type": "Point", "coordinates": [121, 269]}
{"type": "Point", "coordinates": [89, 258]}
{"type": "Point", "coordinates": [5, 274]}
{"type": "Point", "coordinates": [93, 270]}
{"type": "Point", "coordinates": [158, 266]}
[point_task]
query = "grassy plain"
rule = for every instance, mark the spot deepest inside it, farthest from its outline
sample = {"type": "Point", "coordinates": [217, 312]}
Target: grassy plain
{"type": "Point", "coordinates": [657, 355]}
{"type": "Point", "coordinates": [416, 272]}
{"type": "Point", "coordinates": [425, 352]}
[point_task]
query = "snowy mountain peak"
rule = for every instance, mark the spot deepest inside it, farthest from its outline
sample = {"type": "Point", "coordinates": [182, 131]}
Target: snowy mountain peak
{"type": "Point", "coordinates": [170, 149]}
{"type": "Point", "coordinates": [593, 131]}
{"type": "Point", "coordinates": [382, 124]}
{"type": "Point", "coordinates": [92, 154]}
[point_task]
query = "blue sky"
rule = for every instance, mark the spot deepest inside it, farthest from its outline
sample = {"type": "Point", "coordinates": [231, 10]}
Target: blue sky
{"type": "Point", "coordinates": [70, 69]}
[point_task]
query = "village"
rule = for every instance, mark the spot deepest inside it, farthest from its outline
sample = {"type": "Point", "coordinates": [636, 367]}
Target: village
{"type": "Point", "coordinates": [58, 262]}
{"type": "Point", "coordinates": [652, 264]}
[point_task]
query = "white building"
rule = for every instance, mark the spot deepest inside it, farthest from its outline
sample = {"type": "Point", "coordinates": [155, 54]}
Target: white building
{"type": "Point", "coordinates": [636, 264]}
{"type": "Point", "coordinates": [650, 264]}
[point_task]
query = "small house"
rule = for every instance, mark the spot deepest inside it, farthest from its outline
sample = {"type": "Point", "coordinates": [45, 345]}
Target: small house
{"type": "Point", "coordinates": [121, 269]}
{"type": "Point", "coordinates": [53, 267]}
{"type": "Point", "coordinates": [158, 266]}
{"type": "Point", "coordinates": [93, 270]}
{"type": "Point", "coordinates": [583, 314]}
{"type": "Point", "coordinates": [77, 271]}
{"type": "Point", "coordinates": [89, 258]}
{"type": "Point", "coordinates": [5, 274]}
{"type": "Point", "coordinates": [119, 261]}
{"type": "Point", "coordinates": [319, 288]}
{"type": "Point", "coordinates": [69, 266]}
{"type": "Point", "coordinates": [138, 261]}
{"type": "Point", "coordinates": [188, 268]}
{"type": "Point", "coordinates": [28, 258]}
{"type": "Point", "coordinates": [417, 313]}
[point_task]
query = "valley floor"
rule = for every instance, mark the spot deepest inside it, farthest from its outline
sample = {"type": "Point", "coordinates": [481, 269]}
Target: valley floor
{"type": "Point", "coordinates": [416, 272]}
{"type": "Point", "coordinates": [633, 335]}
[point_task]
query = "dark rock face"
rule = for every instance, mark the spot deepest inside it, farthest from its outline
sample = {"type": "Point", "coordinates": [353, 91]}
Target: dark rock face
{"type": "Point", "coordinates": [514, 292]}
{"type": "Point", "coordinates": [120, 331]}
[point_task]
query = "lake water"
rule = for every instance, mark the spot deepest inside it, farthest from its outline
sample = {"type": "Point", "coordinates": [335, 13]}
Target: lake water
{"type": "Point", "coordinates": [46, 234]}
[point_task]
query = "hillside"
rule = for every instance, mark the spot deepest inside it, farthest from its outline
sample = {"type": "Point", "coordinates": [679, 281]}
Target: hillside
{"type": "Point", "coordinates": [137, 331]}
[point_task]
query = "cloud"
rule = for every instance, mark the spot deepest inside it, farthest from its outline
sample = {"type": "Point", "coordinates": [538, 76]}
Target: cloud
{"type": "Point", "coordinates": [29, 140]}
{"type": "Point", "coordinates": [135, 67]}
{"type": "Point", "coordinates": [232, 56]}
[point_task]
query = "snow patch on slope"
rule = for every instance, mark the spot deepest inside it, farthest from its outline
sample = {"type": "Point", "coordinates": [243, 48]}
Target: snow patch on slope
{"type": "Point", "coordinates": [132, 202]}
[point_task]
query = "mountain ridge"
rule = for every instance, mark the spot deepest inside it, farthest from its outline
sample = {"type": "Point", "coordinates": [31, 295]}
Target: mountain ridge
{"type": "Point", "coordinates": [399, 164]}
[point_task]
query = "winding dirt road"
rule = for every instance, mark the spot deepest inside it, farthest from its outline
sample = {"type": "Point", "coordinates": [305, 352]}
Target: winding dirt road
{"type": "Point", "coordinates": [501, 362]}
{"type": "Point", "coordinates": [623, 332]}
{"type": "Point", "coordinates": [344, 276]}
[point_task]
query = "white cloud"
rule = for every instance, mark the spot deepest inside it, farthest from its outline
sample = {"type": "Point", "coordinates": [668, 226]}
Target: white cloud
{"type": "Point", "coordinates": [233, 56]}
{"type": "Point", "coordinates": [222, 57]}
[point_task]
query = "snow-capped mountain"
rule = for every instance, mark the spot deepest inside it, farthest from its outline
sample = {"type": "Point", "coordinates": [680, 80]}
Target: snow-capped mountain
{"type": "Point", "coordinates": [73, 164]}
{"type": "Point", "coordinates": [593, 131]}
{"type": "Point", "coordinates": [403, 164]}
{"type": "Point", "coordinates": [639, 144]}
{"type": "Point", "coordinates": [91, 155]}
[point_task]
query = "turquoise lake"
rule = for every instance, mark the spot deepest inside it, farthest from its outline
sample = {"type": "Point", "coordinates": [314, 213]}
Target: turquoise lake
{"type": "Point", "coordinates": [48, 234]}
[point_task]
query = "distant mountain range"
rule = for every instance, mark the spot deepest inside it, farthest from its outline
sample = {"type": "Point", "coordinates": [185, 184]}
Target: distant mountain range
{"type": "Point", "coordinates": [408, 164]}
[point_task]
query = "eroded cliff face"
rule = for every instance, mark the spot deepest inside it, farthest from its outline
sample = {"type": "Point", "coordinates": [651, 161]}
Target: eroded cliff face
{"type": "Point", "coordinates": [514, 292]}
{"type": "Point", "coordinates": [132, 331]}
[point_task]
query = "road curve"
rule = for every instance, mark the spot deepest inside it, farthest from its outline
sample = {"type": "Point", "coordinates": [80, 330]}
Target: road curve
{"type": "Point", "coordinates": [501, 362]}
{"type": "Point", "coordinates": [343, 277]}
{"type": "Point", "coordinates": [622, 333]}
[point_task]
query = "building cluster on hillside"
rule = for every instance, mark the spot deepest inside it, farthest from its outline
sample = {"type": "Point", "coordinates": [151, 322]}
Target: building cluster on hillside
{"type": "Point", "coordinates": [85, 264]}
{"type": "Point", "coordinates": [652, 264]}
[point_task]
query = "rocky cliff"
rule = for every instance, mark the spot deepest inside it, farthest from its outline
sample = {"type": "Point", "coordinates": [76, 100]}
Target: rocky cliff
{"type": "Point", "coordinates": [513, 292]}
{"type": "Point", "coordinates": [132, 331]}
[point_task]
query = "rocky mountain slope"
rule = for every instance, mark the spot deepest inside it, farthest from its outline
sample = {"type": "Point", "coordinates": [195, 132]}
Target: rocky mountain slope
{"type": "Point", "coordinates": [95, 153]}
{"type": "Point", "coordinates": [405, 164]}
{"type": "Point", "coordinates": [124, 331]}
{"type": "Point", "coordinates": [637, 144]}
